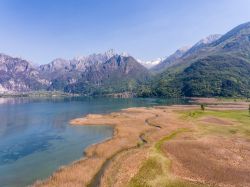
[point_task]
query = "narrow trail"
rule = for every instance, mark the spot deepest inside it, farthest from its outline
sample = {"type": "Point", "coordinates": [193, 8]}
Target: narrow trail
{"type": "Point", "coordinates": [143, 139]}
{"type": "Point", "coordinates": [96, 180]}
{"type": "Point", "coordinates": [147, 122]}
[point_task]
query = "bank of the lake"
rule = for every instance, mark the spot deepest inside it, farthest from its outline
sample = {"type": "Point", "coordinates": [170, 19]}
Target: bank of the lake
{"type": "Point", "coordinates": [143, 146]}
{"type": "Point", "coordinates": [38, 140]}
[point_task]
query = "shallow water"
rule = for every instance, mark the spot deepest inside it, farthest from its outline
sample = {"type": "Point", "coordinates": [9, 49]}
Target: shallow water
{"type": "Point", "coordinates": [36, 139]}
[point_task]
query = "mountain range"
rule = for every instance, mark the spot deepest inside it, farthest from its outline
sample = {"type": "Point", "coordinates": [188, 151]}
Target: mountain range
{"type": "Point", "coordinates": [218, 65]}
{"type": "Point", "coordinates": [106, 73]}
{"type": "Point", "coordinates": [150, 64]}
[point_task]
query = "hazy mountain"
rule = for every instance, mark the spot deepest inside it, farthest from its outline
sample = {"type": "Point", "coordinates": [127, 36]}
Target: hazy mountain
{"type": "Point", "coordinates": [201, 44]}
{"type": "Point", "coordinates": [118, 74]}
{"type": "Point", "coordinates": [108, 72]}
{"type": "Point", "coordinates": [185, 52]}
{"type": "Point", "coordinates": [95, 70]}
{"type": "Point", "coordinates": [18, 75]}
{"type": "Point", "coordinates": [61, 66]}
{"type": "Point", "coordinates": [215, 68]}
{"type": "Point", "coordinates": [61, 72]}
{"type": "Point", "coordinates": [150, 63]}
{"type": "Point", "coordinates": [167, 62]}
{"type": "Point", "coordinates": [235, 42]}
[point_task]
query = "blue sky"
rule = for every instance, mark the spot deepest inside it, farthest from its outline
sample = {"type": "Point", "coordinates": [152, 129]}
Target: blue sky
{"type": "Point", "coordinates": [41, 30]}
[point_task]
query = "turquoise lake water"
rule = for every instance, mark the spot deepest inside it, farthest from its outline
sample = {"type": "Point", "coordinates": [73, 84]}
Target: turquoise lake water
{"type": "Point", "coordinates": [36, 138]}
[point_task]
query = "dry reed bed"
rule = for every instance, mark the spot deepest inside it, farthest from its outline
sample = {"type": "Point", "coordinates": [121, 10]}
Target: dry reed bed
{"type": "Point", "coordinates": [128, 126]}
{"type": "Point", "coordinates": [195, 156]}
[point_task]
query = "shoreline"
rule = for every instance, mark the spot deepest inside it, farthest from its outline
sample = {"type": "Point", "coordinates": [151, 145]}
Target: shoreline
{"type": "Point", "coordinates": [95, 151]}
{"type": "Point", "coordinates": [129, 125]}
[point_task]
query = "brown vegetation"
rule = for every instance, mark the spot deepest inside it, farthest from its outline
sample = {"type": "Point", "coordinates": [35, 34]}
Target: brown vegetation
{"type": "Point", "coordinates": [216, 121]}
{"type": "Point", "coordinates": [140, 133]}
{"type": "Point", "coordinates": [213, 160]}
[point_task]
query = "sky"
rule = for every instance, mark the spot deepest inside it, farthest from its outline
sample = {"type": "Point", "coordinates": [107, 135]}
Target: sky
{"type": "Point", "coordinates": [42, 30]}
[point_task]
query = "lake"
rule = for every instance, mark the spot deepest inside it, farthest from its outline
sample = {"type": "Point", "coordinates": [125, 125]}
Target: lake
{"type": "Point", "coordinates": [36, 138]}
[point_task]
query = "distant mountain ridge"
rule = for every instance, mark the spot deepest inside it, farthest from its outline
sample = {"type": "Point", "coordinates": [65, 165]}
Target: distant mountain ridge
{"type": "Point", "coordinates": [217, 65]}
{"type": "Point", "coordinates": [19, 75]}
{"type": "Point", "coordinates": [118, 74]}
{"type": "Point", "coordinates": [90, 74]}
{"type": "Point", "coordinates": [185, 52]}
{"type": "Point", "coordinates": [201, 44]}
{"type": "Point", "coordinates": [151, 63]}
{"type": "Point", "coordinates": [170, 60]}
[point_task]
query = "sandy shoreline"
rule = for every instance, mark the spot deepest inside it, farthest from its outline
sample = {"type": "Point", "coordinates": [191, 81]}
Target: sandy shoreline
{"type": "Point", "coordinates": [117, 161]}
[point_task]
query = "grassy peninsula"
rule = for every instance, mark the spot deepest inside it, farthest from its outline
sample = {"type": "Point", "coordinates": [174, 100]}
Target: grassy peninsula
{"type": "Point", "coordinates": [182, 145]}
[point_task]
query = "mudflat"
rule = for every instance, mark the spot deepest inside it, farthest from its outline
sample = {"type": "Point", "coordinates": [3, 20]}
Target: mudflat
{"type": "Point", "coordinates": [178, 145]}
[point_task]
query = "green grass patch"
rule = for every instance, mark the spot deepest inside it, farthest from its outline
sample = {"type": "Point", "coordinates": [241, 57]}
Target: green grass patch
{"type": "Point", "coordinates": [155, 171]}
{"type": "Point", "coordinates": [239, 115]}
{"type": "Point", "coordinates": [240, 119]}
{"type": "Point", "coordinates": [150, 169]}
{"type": "Point", "coordinates": [183, 184]}
{"type": "Point", "coordinates": [194, 114]}
{"type": "Point", "coordinates": [158, 145]}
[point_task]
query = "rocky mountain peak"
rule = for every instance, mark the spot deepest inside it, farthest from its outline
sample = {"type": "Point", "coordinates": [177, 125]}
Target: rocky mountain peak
{"type": "Point", "coordinates": [181, 51]}
{"type": "Point", "coordinates": [17, 74]}
{"type": "Point", "coordinates": [150, 63]}
{"type": "Point", "coordinates": [184, 48]}
{"type": "Point", "coordinates": [209, 39]}
{"type": "Point", "coordinates": [166, 62]}
{"type": "Point", "coordinates": [238, 37]}
{"type": "Point", "coordinates": [110, 53]}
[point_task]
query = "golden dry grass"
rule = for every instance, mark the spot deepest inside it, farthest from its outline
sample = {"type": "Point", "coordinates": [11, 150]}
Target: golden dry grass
{"type": "Point", "coordinates": [145, 150]}
{"type": "Point", "coordinates": [129, 125]}
{"type": "Point", "coordinates": [215, 160]}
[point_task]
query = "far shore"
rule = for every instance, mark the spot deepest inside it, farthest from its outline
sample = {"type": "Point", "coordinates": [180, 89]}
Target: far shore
{"type": "Point", "coordinates": [146, 148]}
{"type": "Point", "coordinates": [36, 94]}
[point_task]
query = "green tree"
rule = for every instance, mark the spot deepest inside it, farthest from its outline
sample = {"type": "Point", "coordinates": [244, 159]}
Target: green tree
{"type": "Point", "coordinates": [131, 85]}
{"type": "Point", "coordinates": [202, 107]}
{"type": "Point", "coordinates": [249, 109]}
